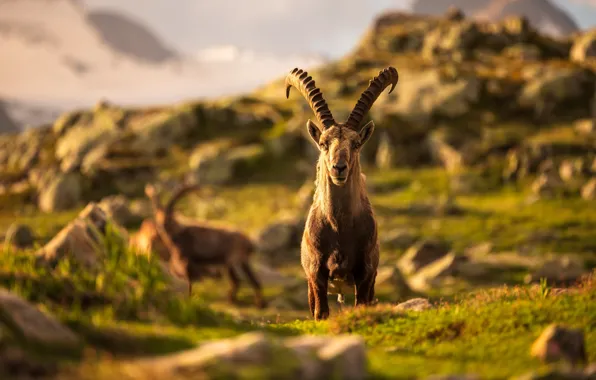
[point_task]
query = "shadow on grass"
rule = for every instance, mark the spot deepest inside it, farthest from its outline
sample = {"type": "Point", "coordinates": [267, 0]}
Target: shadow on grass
{"type": "Point", "coordinates": [122, 342]}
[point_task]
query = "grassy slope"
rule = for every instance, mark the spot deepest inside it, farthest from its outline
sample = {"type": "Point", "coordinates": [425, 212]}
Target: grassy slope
{"type": "Point", "coordinates": [126, 311]}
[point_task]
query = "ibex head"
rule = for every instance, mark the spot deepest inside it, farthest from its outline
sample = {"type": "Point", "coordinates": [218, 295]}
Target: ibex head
{"type": "Point", "coordinates": [340, 143]}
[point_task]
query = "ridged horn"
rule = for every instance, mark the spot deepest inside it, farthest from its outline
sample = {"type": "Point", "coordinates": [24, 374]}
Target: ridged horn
{"type": "Point", "coordinates": [385, 78]}
{"type": "Point", "coordinates": [306, 85]}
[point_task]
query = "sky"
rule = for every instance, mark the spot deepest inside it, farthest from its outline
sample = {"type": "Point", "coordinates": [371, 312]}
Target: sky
{"type": "Point", "coordinates": [329, 27]}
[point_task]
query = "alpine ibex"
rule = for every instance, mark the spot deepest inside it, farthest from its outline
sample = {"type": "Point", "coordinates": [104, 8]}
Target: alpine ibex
{"type": "Point", "coordinates": [339, 244]}
{"type": "Point", "coordinates": [195, 247]}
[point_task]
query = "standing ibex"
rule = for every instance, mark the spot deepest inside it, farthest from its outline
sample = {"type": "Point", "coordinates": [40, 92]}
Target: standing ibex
{"type": "Point", "coordinates": [339, 243]}
{"type": "Point", "coordinates": [195, 247]}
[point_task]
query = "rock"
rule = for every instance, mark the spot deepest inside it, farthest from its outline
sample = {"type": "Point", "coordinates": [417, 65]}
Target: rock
{"type": "Point", "coordinates": [35, 327]}
{"type": "Point", "coordinates": [219, 164]}
{"type": "Point", "coordinates": [392, 276]}
{"type": "Point", "coordinates": [19, 236]}
{"type": "Point", "coordinates": [457, 37]}
{"type": "Point", "coordinates": [479, 250]}
{"type": "Point", "coordinates": [62, 193]}
{"type": "Point", "coordinates": [588, 190]}
{"type": "Point", "coordinates": [79, 140]}
{"type": "Point", "coordinates": [584, 47]}
{"type": "Point", "coordinates": [562, 270]}
{"type": "Point", "coordinates": [545, 185]}
{"type": "Point", "coordinates": [157, 132]}
{"type": "Point", "coordinates": [430, 275]}
{"type": "Point", "coordinates": [422, 254]}
{"type": "Point", "coordinates": [398, 239]}
{"type": "Point", "coordinates": [345, 357]}
{"type": "Point", "coordinates": [415, 304]}
{"type": "Point", "coordinates": [81, 239]}
{"type": "Point", "coordinates": [291, 358]}
{"type": "Point", "coordinates": [278, 237]}
{"type": "Point", "coordinates": [270, 276]}
{"type": "Point", "coordinates": [451, 159]}
{"type": "Point", "coordinates": [553, 87]}
{"type": "Point", "coordinates": [558, 342]}
{"type": "Point", "coordinates": [117, 208]}
{"type": "Point", "coordinates": [427, 94]}
{"type": "Point", "coordinates": [385, 157]}
{"type": "Point", "coordinates": [570, 169]}
{"type": "Point", "coordinates": [251, 348]}
{"type": "Point", "coordinates": [585, 127]}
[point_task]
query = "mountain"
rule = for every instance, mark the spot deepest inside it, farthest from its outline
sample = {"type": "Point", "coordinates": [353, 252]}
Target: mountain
{"type": "Point", "coordinates": [129, 37]}
{"type": "Point", "coordinates": [57, 55]}
{"type": "Point", "coordinates": [7, 125]}
{"type": "Point", "coordinates": [542, 14]}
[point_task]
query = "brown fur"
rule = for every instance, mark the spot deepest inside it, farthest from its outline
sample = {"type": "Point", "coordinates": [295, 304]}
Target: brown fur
{"type": "Point", "coordinates": [339, 245]}
{"type": "Point", "coordinates": [193, 247]}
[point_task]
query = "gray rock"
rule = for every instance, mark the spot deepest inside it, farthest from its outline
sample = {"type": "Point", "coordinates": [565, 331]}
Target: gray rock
{"type": "Point", "coordinates": [62, 193]}
{"type": "Point", "coordinates": [431, 275]}
{"type": "Point", "coordinates": [561, 270]}
{"type": "Point", "coordinates": [34, 326]}
{"type": "Point", "coordinates": [117, 208]}
{"type": "Point", "coordinates": [19, 236]}
{"type": "Point", "coordinates": [156, 132]}
{"type": "Point", "coordinates": [570, 169]}
{"type": "Point", "coordinates": [415, 304]}
{"type": "Point", "coordinates": [422, 254]}
{"type": "Point", "coordinates": [218, 164]}
{"type": "Point", "coordinates": [81, 239]}
{"type": "Point", "coordinates": [278, 237]}
{"type": "Point", "coordinates": [546, 185]}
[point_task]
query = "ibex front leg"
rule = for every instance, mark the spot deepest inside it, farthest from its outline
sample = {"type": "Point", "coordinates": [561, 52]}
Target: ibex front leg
{"type": "Point", "coordinates": [319, 290]}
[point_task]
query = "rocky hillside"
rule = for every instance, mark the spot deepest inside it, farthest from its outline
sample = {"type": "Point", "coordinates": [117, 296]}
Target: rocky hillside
{"type": "Point", "coordinates": [544, 15]}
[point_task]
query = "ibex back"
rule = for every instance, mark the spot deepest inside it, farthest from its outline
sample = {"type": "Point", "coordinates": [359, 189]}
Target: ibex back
{"type": "Point", "coordinates": [340, 239]}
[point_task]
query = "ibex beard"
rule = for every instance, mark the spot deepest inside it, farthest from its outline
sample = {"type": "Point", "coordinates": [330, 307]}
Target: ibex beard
{"type": "Point", "coordinates": [339, 245]}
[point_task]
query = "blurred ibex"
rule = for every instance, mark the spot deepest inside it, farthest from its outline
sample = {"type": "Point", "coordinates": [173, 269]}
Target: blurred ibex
{"type": "Point", "coordinates": [339, 245]}
{"type": "Point", "coordinates": [195, 247]}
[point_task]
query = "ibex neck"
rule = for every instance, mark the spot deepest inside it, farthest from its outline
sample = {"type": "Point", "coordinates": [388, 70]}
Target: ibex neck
{"type": "Point", "coordinates": [339, 202]}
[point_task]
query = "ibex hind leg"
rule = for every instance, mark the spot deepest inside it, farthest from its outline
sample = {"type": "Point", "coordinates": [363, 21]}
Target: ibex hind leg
{"type": "Point", "coordinates": [259, 301]}
{"type": "Point", "coordinates": [234, 284]}
{"type": "Point", "coordinates": [311, 297]}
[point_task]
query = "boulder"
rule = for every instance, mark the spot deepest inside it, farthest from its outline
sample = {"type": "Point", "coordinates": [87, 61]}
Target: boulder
{"type": "Point", "coordinates": [570, 169]}
{"type": "Point", "coordinates": [81, 239]}
{"type": "Point", "coordinates": [422, 254]}
{"type": "Point", "coordinates": [561, 270]}
{"type": "Point", "coordinates": [63, 192]}
{"type": "Point", "coordinates": [390, 275]}
{"type": "Point", "coordinates": [398, 239]}
{"type": "Point", "coordinates": [277, 238]}
{"type": "Point", "coordinates": [431, 275]}
{"type": "Point", "coordinates": [156, 132]}
{"type": "Point", "coordinates": [218, 164]}
{"type": "Point", "coordinates": [117, 208]}
{"type": "Point", "coordinates": [35, 327]}
{"type": "Point", "coordinates": [19, 236]}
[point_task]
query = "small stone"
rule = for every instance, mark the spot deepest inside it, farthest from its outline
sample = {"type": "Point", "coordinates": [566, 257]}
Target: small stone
{"type": "Point", "coordinates": [33, 325]}
{"type": "Point", "coordinates": [585, 127]}
{"type": "Point", "coordinates": [415, 304]}
{"type": "Point", "coordinates": [19, 236]}
{"type": "Point", "coordinates": [558, 342]}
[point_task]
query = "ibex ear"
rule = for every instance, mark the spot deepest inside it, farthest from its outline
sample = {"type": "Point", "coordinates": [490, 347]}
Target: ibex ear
{"type": "Point", "coordinates": [313, 131]}
{"type": "Point", "coordinates": [366, 132]}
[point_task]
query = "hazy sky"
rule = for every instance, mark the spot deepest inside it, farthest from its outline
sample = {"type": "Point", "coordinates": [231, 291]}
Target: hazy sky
{"type": "Point", "coordinates": [330, 27]}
